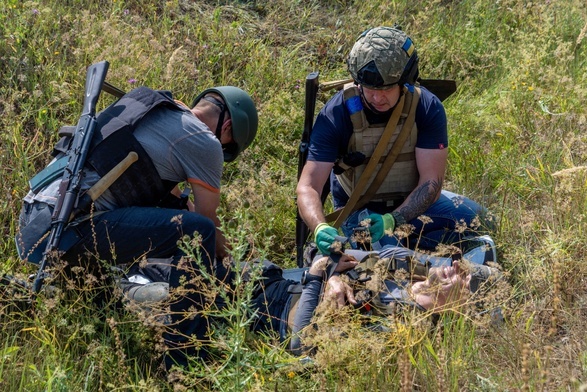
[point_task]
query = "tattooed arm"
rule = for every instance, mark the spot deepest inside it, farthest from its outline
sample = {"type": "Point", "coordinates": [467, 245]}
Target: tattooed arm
{"type": "Point", "coordinates": [431, 166]}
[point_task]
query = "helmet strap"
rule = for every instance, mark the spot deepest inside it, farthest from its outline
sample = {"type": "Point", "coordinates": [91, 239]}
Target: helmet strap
{"type": "Point", "coordinates": [222, 107]}
{"type": "Point", "coordinates": [219, 125]}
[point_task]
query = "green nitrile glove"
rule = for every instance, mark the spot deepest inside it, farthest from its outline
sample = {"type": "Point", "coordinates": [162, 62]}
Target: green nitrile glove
{"type": "Point", "coordinates": [324, 236]}
{"type": "Point", "coordinates": [379, 224]}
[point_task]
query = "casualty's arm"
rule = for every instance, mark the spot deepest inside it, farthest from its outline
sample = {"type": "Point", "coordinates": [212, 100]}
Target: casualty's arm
{"type": "Point", "coordinates": [310, 296]}
{"type": "Point", "coordinates": [336, 289]}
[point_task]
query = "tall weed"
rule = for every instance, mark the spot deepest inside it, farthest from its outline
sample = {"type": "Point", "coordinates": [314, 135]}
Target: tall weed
{"type": "Point", "coordinates": [517, 144]}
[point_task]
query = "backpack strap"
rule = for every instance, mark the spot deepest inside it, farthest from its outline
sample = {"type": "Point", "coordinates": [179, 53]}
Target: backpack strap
{"type": "Point", "coordinates": [296, 292]}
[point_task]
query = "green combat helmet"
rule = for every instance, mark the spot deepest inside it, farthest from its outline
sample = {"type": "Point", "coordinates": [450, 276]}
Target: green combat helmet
{"type": "Point", "coordinates": [244, 118]}
{"type": "Point", "coordinates": [383, 57]}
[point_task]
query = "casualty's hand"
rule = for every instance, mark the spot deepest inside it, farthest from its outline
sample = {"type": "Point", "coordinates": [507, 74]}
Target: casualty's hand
{"type": "Point", "coordinates": [339, 293]}
{"type": "Point", "coordinates": [324, 236]}
{"type": "Point", "coordinates": [379, 225]}
{"type": "Point", "coordinates": [346, 262]}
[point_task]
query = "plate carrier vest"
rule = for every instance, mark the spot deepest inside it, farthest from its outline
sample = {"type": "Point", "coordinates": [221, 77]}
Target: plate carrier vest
{"type": "Point", "coordinates": [140, 184]}
{"type": "Point", "coordinates": [403, 175]}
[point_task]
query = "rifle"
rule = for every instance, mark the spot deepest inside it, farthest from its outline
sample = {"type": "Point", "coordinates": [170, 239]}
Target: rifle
{"type": "Point", "coordinates": [302, 229]}
{"type": "Point", "coordinates": [70, 186]}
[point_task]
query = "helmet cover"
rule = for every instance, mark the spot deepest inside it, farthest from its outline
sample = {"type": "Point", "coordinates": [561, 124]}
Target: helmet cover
{"type": "Point", "coordinates": [383, 57]}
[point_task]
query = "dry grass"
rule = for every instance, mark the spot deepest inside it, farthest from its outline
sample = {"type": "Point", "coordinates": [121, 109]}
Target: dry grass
{"type": "Point", "coordinates": [517, 144]}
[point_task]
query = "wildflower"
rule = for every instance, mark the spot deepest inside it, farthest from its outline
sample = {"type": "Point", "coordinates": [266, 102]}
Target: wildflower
{"type": "Point", "coordinates": [35, 11]}
{"type": "Point", "coordinates": [132, 80]}
{"type": "Point", "coordinates": [126, 12]}
{"type": "Point", "coordinates": [425, 219]}
{"type": "Point", "coordinates": [475, 223]}
{"type": "Point", "coordinates": [291, 375]}
{"type": "Point", "coordinates": [461, 226]}
{"type": "Point", "coordinates": [177, 219]}
{"type": "Point", "coordinates": [404, 231]}
{"type": "Point", "coordinates": [457, 201]}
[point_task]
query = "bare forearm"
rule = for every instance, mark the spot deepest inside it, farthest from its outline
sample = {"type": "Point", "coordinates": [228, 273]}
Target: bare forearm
{"type": "Point", "coordinates": [309, 192]}
{"type": "Point", "coordinates": [310, 206]}
{"type": "Point", "coordinates": [420, 199]}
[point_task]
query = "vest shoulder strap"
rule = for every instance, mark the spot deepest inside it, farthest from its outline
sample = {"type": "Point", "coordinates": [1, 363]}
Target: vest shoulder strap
{"type": "Point", "coordinates": [129, 110]}
{"type": "Point", "coordinates": [410, 105]}
{"type": "Point", "coordinates": [353, 103]}
{"type": "Point", "coordinates": [140, 184]}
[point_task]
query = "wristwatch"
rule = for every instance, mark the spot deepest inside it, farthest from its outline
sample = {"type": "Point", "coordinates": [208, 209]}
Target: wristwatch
{"type": "Point", "coordinates": [307, 277]}
{"type": "Point", "coordinates": [399, 218]}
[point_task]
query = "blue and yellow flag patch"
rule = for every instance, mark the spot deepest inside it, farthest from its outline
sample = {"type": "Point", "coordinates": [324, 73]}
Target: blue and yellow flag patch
{"type": "Point", "coordinates": [408, 47]}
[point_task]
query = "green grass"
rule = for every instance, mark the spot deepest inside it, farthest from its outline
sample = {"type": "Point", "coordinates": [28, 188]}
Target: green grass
{"type": "Point", "coordinates": [517, 118]}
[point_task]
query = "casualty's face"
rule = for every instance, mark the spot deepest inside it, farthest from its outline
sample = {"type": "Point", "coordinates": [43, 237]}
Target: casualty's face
{"type": "Point", "coordinates": [447, 279]}
{"type": "Point", "coordinates": [445, 284]}
{"type": "Point", "coordinates": [382, 100]}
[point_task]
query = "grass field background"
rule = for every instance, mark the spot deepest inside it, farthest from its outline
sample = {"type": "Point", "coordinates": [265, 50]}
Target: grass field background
{"type": "Point", "coordinates": [517, 145]}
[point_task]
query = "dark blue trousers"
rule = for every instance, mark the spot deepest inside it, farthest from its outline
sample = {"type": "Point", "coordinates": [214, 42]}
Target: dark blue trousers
{"type": "Point", "coordinates": [125, 235]}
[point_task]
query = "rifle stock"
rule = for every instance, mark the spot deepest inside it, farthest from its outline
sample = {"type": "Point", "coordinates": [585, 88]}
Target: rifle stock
{"type": "Point", "coordinates": [73, 175]}
{"type": "Point", "coordinates": [302, 230]}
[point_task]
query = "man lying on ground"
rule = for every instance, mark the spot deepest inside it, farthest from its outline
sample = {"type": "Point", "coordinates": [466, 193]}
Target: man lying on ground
{"type": "Point", "coordinates": [286, 300]}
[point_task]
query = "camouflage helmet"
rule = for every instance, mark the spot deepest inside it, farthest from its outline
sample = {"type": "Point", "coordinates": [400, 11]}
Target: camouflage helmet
{"type": "Point", "coordinates": [383, 57]}
{"type": "Point", "coordinates": [244, 118]}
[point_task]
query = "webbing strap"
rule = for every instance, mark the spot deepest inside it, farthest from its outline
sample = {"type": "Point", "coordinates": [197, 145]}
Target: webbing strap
{"type": "Point", "coordinates": [354, 105]}
{"type": "Point", "coordinates": [340, 215]}
{"type": "Point", "coordinates": [411, 104]}
{"type": "Point", "coordinates": [296, 293]}
{"type": "Point", "coordinates": [417, 270]}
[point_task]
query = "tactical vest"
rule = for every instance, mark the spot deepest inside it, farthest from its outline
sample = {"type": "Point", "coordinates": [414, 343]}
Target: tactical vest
{"type": "Point", "coordinates": [140, 184]}
{"type": "Point", "coordinates": [403, 175]}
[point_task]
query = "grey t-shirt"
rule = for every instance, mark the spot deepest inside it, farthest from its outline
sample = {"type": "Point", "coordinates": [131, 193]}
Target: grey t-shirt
{"type": "Point", "coordinates": [181, 147]}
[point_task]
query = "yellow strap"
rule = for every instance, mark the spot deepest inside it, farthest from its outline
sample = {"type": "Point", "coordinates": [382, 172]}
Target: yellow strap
{"type": "Point", "coordinates": [379, 150]}
{"type": "Point", "coordinates": [394, 152]}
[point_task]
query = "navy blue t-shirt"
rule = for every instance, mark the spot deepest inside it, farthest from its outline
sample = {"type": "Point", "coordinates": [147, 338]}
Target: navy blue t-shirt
{"type": "Point", "coordinates": [333, 129]}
